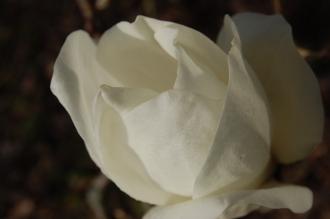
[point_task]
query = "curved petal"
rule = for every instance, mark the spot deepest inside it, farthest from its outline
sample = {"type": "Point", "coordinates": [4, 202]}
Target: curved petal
{"type": "Point", "coordinates": [129, 53]}
{"type": "Point", "coordinates": [75, 82]}
{"type": "Point", "coordinates": [125, 99]}
{"type": "Point", "coordinates": [172, 134]}
{"type": "Point", "coordinates": [197, 79]}
{"type": "Point", "coordinates": [148, 46]}
{"type": "Point", "coordinates": [119, 161]}
{"type": "Point", "coordinates": [241, 149]}
{"type": "Point", "coordinates": [237, 204]}
{"type": "Point", "coordinates": [202, 50]}
{"type": "Point", "coordinates": [290, 85]}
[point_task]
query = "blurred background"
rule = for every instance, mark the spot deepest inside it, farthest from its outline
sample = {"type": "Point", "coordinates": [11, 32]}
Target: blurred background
{"type": "Point", "coordinates": [45, 171]}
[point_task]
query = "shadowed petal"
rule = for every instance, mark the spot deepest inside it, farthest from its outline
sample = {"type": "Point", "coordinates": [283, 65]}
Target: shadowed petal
{"type": "Point", "coordinates": [241, 149]}
{"type": "Point", "coordinates": [237, 204]}
{"type": "Point", "coordinates": [290, 85]}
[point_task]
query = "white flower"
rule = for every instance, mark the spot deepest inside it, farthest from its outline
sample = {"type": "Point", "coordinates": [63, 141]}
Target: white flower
{"type": "Point", "coordinates": [177, 121]}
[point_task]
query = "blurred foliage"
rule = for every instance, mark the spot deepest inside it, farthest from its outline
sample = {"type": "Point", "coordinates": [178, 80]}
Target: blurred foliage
{"type": "Point", "coordinates": [45, 169]}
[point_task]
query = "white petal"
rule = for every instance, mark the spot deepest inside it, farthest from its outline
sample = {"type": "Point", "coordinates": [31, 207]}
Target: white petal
{"type": "Point", "coordinates": [290, 84]}
{"type": "Point", "coordinates": [142, 54]}
{"type": "Point", "coordinates": [130, 53]}
{"type": "Point", "coordinates": [119, 161]}
{"type": "Point", "coordinates": [197, 79]}
{"type": "Point", "coordinates": [124, 99]}
{"type": "Point", "coordinates": [237, 204]}
{"type": "Point", "coordinates": [241, 149]}
{"type": "Point", "coordinates": [227, 33]}
{"type": "Point", "coordinates": [172, 134]}
{"type": "Point", "coordinates": [166, 37]}
{"type": "Point", "coordinates": [202, 50]}
{"type": "Point", "coordinates": [75, 82]}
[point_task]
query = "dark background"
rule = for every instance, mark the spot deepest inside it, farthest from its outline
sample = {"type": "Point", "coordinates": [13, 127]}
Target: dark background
{"type": "Point", "coordinates": [45, 171]}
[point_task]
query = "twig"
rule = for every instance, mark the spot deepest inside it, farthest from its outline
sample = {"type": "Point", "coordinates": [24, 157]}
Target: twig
{"type": "Point", "coordinates": [94, 196]}
{"type": "Point", "coordinates": [87, 13]}
{"type": "Point", "coordinates": [277, 6]}
{"type": "Point", "coordinates": [102, 4]}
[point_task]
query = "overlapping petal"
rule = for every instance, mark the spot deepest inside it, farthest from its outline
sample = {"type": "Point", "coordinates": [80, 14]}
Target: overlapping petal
{"type": "Point", "coordinates": [119, 162]}
{"type": "Point", "coordinates": [75, 82]}
{"type": "Point", "coordinates": [150, 46]}
{"type": "Point", "coordinates": [237, 204]}
{"type": "Point", "coordinates": [241, 149]}
{"type": "Point", "coordinates": [172, 134]}
{"type": "Point", "coordinates": [290, 85]}
{"type": "Point", "coordinates": [130, 53]}
{"type": "Point", "coordinates": [201, 49]}
{"type": "Point", "coordinates": [198, 79]}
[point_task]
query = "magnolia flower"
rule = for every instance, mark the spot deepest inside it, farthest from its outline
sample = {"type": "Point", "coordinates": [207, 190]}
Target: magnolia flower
{"type": "Point", "coordinates": [194, 127]}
